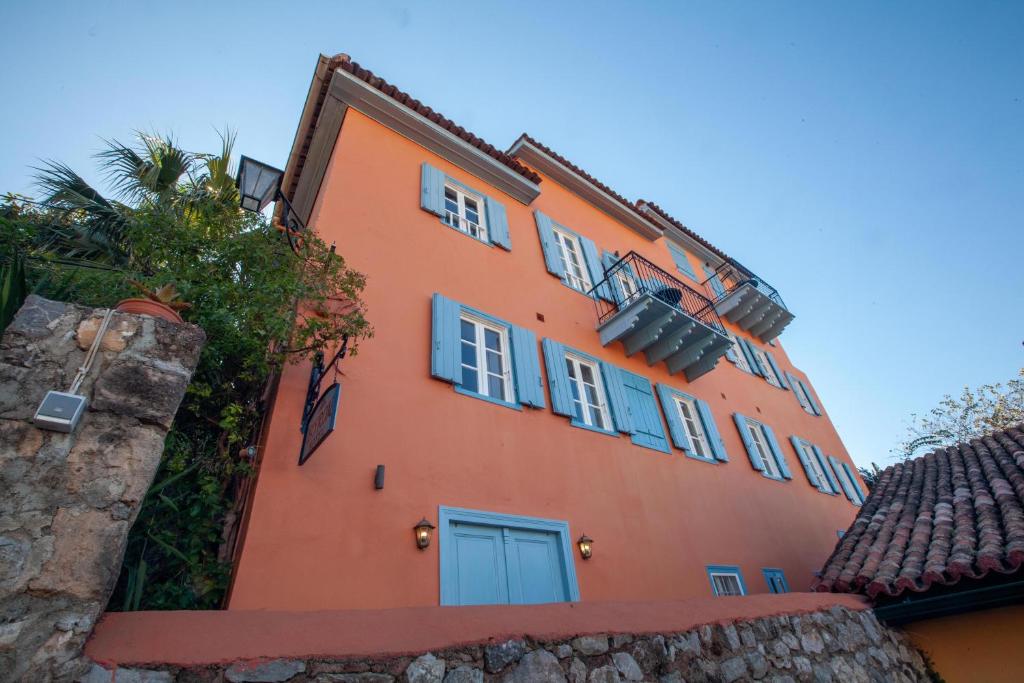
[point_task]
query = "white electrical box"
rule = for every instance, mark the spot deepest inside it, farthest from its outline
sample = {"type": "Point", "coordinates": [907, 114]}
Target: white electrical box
{"type": "Point", "coordinates": [59, 412]}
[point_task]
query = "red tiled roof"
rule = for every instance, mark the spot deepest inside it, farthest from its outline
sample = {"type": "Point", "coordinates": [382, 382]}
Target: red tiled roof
{"type": "Point", "coordinates": [956, 512]}
{"type": "Point", "coordinates": [700, 240]}
{"type": "Point", "coordinates": [394, 93]}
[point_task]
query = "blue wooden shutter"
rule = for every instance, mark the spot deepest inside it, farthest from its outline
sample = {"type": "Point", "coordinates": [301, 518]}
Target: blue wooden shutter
{"type": "Point", "coordinates": [773, 446]}
{"type": "Point", "coordinates": [552, 256]}
{"type": "Point", "coordinates": [730, 353]}
{"type": "Point", "coordinates": [613, 292]}
{"type": "Point", "coordinates": [593, 263]}
{"type": "Point", "coordinates": [711, 430]}
{"type": "Point", "coordinates": [676, 428]}
{"type": "Point", "coordinates": [853, 482]}
{"type": "Point", "coordinates": [444, 337]}
{"type": "Point", "coordinates": [497, 224]}
{"type": "Point", "coordinates": [716, 284]}
{"type": "Point", "coordinates": [432, 189]}
{"type": "Point", "coordinates": [682, 263]}
{"type": "Point", "coordinates": [752, 362]}
{"type": "Point", "coordinates": [808, 470]}
{"type": "Point", "coordinates": [526, 367]}
{"type": "Point", "coordinates": [755, 457]}
{"type": "Point", "coordinates": [794, 383]}
{"type": "Point", "coordinates": [558, 377]}
{"type": "Point", "coordinates": [831, 486]}
{"type": "Point", "coordinates": [847, 489]}
{"type": "Point", "coordinates": [775, 369]}
{"type": "Point", "coordinates": [810, 398]}
{"type": "Point", "coordinates": [613, 386]}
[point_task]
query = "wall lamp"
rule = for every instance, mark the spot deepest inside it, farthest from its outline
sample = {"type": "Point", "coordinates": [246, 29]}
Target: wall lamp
{"type": "Point", "coordinates": [423, 530]}
{"type": "Point", "coordinates": [586, 546]}
{"type": "Point", "coordinates": [259, 184]}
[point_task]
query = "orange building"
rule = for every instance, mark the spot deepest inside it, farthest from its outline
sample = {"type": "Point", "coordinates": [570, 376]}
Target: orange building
{"type": "Point", "coordinates": [551, 361]}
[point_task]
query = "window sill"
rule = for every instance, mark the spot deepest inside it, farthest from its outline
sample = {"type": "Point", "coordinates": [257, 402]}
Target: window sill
{"type": "Point", "coordinates": [567, 285]}
{"type": "Point", "coordinates": [582, 425]}
{"type": "Point", "coordinates": [464, 234]}
{"type": "Point", "coordinates": [496, 401]}
{"type": "Point", "coordinates": [710, 461]}
{"type": "Point", "coordinates": [779, 478]}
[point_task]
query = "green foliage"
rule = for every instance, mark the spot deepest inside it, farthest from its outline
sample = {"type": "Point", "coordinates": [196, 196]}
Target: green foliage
{"type": "Point", "coordinates": [974, 413]}
{"type": "Point", "coordinates": [870, 476]}
{"type": "Point", "coordinates": [180, 223]}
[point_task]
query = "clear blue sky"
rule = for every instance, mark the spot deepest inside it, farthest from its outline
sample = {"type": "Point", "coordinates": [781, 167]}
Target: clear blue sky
{"type": "Point", "coordinates": [865, 158]}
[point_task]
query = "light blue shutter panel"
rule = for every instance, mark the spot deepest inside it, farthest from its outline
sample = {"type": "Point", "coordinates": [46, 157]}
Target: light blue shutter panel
{"type": "Point", "coordinates": [676, 428]}
{"type": "Point", "coordinates": [711, 429]}
{"type": "Point", "coordinates": [853, 482]}
{"type": "Point", "coordinates": [558, 377]}
{"type": "Point", "coordinates": [552, 257]}
{"type": "Point", "coordinates": [773, 446]}
{"type": "Point", "coordinates": [613, 386]}
{"type": "Point", "coordinates": [526, 366]}
{"type": "Point", "coordinates": [593, 263]}
{"type": "Point", "coordinates": [613, 292]}
{"type": "Point", "coordinates": [716, 285]}
{"type": "Point", "coordinates": [810, 398]}
{"type": "Point", "coordinates": [830, 486]}
{"type": "Point", "coordinates": [775, 369]}
{"type": "Point", "coordinates": [759, 367]}
{"type": "Point", "coordinates": [755, 457]}
{"type": "Point", "coordinates": [497, 223]}
{"type": "Point", "coordinates": [730, 353]}
{"type": "Point", "coordinates": [445, 339]}
{"type": "Point", "coordinates": [847, 489]}
{"type": "Point", "coordinates": [432, 189]}
{"type": "Point", "coordinates": [794, 383]}
{"type": "Point", "coordinates": [755, 367]}
{"type": "Point", "coordinates": [682, 263]}
{"type": "Point", "coordinates": [811, 476]}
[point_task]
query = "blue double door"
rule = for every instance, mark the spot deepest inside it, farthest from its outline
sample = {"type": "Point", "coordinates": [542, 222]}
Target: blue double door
{"type": "Point", "coordinates": [496, 565]}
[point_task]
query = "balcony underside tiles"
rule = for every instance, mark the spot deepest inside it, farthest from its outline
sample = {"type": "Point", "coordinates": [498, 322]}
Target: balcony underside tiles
{"type": "Point", "coordinates": [755, 312]}
{"type": "Point", "coordinates": [664, 333]}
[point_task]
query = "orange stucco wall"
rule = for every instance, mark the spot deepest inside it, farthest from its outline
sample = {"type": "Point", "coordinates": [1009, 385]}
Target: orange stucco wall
{"type": "Point", "coordinates": [977, 647]}
{"type": "Point", "coordinates": [321, 537]}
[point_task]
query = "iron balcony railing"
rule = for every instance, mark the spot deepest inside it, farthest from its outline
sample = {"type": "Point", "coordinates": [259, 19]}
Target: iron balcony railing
{"type": "Point", "coordinates": [633, 276]}
{"type": "Point", "coordinates": [732, 275]}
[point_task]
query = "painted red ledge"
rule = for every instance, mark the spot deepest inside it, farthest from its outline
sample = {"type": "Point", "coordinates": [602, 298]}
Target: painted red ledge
{"type": "Point", "coordinates": [209, 637]}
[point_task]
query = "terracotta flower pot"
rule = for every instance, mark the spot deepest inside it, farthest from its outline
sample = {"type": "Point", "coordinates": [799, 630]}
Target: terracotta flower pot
{"type": "Point", "coordinates": [149, 307]}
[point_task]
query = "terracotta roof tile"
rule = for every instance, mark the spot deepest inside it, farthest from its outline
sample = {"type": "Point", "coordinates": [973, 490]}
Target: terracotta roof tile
{"type": "Point", "coordinates": [956, 512]}
{"type": "Point", "coordinates": [679, 224]}
{"type": "Point", "coordinates": [371, 79]}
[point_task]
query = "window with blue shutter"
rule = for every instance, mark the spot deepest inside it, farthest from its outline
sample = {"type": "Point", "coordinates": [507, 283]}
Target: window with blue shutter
{"type": "Point", "coordinates": [682, 262]}
{"type": "Point", "coordinates": [844, 481]}
{"type": "Point", "coordinates": [691, 425]}
{"type": "Point", "coordinates": [814, 465]}
{"type": "Point", "coordinates": [803, 395]}
{"type": "Point", "coordinates": [483, 356]}
{"type": "Point", "coordinates": [587, 390]}
{"type": "Point", "coordinates": [647, 429]}
{"type": "Point", "coordinates": [717, 288]}
{"type": "Point", "coordinates": [570, 256]}
{"type": "Point", "coordinates": [726, 580]}
{"type": "Point", "coordinates": [463, 208]}
{"type": "Point", "coordinates": [831, 484]}
{"type": "Point", "coordinates": [762, 448]}
{"type": "Point", "coordinates": [854, 483]}
{"type": "Point", "coordinates": [783, 384]}
{"type": "Point", "coordinates": [776, 580]}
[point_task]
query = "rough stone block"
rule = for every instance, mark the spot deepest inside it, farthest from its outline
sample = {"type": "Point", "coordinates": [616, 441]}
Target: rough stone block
{"type": "Point", "coordinates": [497, 657]}
{"type": "Point", "coordinates": [464, 674]}
{"type": "Point", "coordinates": [627, 666]}
{"type": "Point", "coordinates": [425, 669]}
{"type": "Point", "coordinates": [539, 666]}
{"type": "Point", "coordinates": [274, 671]}
{"type": "Point", "coordinates": [604, 674]}
{"type": "Point", "coordinates": [591, 645]}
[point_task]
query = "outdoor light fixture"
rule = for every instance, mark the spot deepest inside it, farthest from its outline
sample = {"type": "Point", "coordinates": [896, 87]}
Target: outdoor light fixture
{"type": "Point", "coordinates": [259, 184]}
{"type": "Point", "coordinates": [423, 530]}
{"type": "Point", "coordinates": [586, 547]}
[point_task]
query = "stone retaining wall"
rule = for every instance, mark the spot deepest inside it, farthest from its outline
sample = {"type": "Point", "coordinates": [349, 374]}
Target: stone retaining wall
{"type": "Point", "coordinates": [838, 644]}
{"type": "Point", "coordinates": [67, 501]}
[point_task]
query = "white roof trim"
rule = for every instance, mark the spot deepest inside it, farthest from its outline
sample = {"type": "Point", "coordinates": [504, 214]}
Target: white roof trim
{"type": "Point", "coordinates": [424, 132]}
{"type": "Point", "coordinates": [577, 184]}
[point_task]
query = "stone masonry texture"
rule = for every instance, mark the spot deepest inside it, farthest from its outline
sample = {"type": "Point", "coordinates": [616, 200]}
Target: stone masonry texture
{"type": "Point", "coordinates": [67, 501]}
{"type": "Point", "coordinates": [838, 644]}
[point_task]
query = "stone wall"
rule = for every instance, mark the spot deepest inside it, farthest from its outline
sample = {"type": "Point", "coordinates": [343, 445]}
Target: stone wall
{"type": "Point", "coordinates": [837, 644]}
{"type": "Point", "coordinates": [69, 500]}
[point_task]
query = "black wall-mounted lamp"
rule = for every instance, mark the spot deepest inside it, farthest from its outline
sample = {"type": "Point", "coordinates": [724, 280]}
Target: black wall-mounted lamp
{"type": "Point", "coordinates": [423, 531]}
{"type": "Point", "coordinates": [586, 546]}
{"type": "Point", "coordinates": [259, 184]}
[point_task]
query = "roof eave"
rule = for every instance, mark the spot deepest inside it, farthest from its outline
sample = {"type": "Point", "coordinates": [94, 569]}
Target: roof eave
{"type": "Point", "coordinates": [544, 163]}
{"type": "Point", "coordinates": [677, 235]}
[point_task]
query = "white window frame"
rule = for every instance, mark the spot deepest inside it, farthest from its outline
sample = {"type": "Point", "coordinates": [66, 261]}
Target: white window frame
{"type": "Point", "coordinates": [760, 439]}
{"type": "Point", "coordinates": [770, 375]}
{"type": "Point", "coordinates": [737, 350]}
{"type": "Point", "coordinates": [568, 242]}
{"type": "Point", "coordinates": [808, 450]}
{"type": "Point", "coordinates": [694, 426]}
{"type": "Point", "coordinates": [731, 575]}
{"type": "Point", "coordinates": [482, 373]}
{"type": "Point", "coordinates": [459, 220]}
{"type": "Point", "coordinates": [803, 398]}
{"type": "Point", "coordinates": [587, 407]}
{"type": "Point", "coordinates": [627, 284]}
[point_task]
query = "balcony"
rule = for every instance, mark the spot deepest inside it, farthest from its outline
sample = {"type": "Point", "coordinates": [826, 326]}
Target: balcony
{"type": "Point", "coordinates": [748, 301]}
{"type": "Point", "coordinates": [649, 310]}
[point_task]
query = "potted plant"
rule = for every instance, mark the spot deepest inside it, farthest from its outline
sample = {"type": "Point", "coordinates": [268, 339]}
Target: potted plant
{"type": "Point", "coordinates": [159, 302]}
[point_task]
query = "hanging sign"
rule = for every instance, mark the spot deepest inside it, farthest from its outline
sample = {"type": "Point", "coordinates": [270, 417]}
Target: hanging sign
{"type": "Point", "coordinates": [320, 422]}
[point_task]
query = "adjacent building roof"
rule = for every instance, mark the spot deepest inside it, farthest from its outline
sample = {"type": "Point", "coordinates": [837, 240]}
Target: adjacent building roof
{"type": "Point", "coordinates": [957, 512]}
